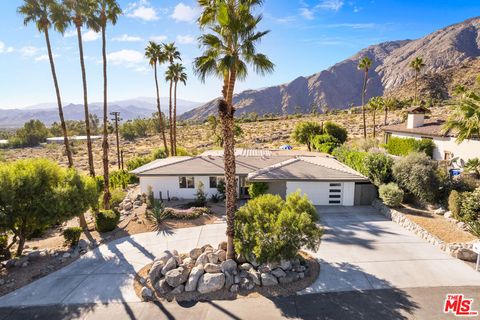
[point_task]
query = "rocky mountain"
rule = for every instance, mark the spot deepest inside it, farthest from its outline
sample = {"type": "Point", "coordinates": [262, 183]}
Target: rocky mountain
{"type": "Point", "coordinates": [339, 86]}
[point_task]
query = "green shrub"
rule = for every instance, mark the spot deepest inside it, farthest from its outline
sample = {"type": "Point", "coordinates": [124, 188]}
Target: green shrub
{"type": "Point", "coordinates": [474, 227]}
{"type": "Point", "coordinates": [470, 210]}
{"type": "Point", "coordinates": [116, 197]}
{"type": "Point", "coordinates": [200, 196]}
{"type": "Point", "coordinates": [352, 158]}
{"type": "Point", "coordinates": [256, 189]}
{"type": "Point", "coordinates": [137, 162]}
{"type": "Point", "coordinates": [272, 229]}
{"type": "Point", "coordinates": [215, 198]}
{"type": "Point", "coordinates": [121, 179]}
{"type": "Point", "coordinates": [4, 252]}
{"type": "Point", "coordinates": [325, 143]}
{"type": "Point", "coordinates": [378, 167]}
{"type": "Point", "coordinates": [150, 198]}
{"type": "Point", "coordinates": [158, 212]}
{"type": "Point", "coordinates": [72, 235]}
{"type": "Point", "coordinates": [106, 220]}
{"type": "Point", "coordinates": [336, 131]}
{"type": "Point", "coordinates": [417, 175]}
{"type": "Point", "coordinates": [391, 194]}
{"type": "Point", "coordinates": [404, 146]}
{"type": "Point", "coordinates": [304, 132]}
{"type": "Point", "coordinates": [455, 203]}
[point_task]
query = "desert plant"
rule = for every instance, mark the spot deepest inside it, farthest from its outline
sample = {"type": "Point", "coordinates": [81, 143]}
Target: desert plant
{"type": "Point", "coordinates": [150, 198]}
{"type": "Point", "coordinates": [72, 235]}
{"type": "Point", "coordinates": [200, 196]}
{"type": "Point", "coordinates": [106, 220]}
{"type": "Point", "coordinates": [256, 189]}
{"type": "Point", "coordinates": [158, 212]}
{"type": "Point", "coordinates": [215, 198]}
{"type": "Point", "coordinates": [120, 179]}
{"type": "Point", "coordinates": [470, 207]}
{"type": "Point", "coordinates": [474, 228]}
{"type": "Point", "coordinates": [473, 166]}
{"type": "Point", "coordinates": [391, 194]}
{"type": "Point", "coordinates": [455, 203]}
{"type": "Point", "coordinates": [378, 167]}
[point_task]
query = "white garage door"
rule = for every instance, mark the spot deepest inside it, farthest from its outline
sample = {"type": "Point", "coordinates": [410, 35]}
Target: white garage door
{"type": "Point", "coordinates": [325, 193]}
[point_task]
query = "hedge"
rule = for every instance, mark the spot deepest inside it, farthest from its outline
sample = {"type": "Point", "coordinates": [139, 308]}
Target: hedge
{"type": "Point", "coordinates": [404, 146]}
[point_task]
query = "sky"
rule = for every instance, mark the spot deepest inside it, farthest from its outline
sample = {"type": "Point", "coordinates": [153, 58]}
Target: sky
{"type": "Point", "coordinates": [306, 36]}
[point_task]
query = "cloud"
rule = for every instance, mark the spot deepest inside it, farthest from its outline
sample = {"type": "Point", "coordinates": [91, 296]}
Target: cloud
{"type": "Point", "coordinates": [307, 13]}
{"type": "Point", "coordinates": [44, 57]}
{"type": "Point", "coordinates": [142, 10]}
{"type": "Point", "coordinates": [126, 38]}
{"type": "Point", "coordinates": [126, 57]}
{"type": "Point", "coordinates": [333, 5]}
{"type": "Point", "coordinates": [353, 25]}
{"type": "Point", "coordinates": [159, 38]}
{"type": "Point", "coordinates": [185, 39]}
{"type": "Point", "coordinates": [29, 51]}
{"type": "Point", "coordinates": [4, 48]}
{"type": "Point", "coordinates": [90, 35]}
{"type": "Point", "coordinates": [185, 13]}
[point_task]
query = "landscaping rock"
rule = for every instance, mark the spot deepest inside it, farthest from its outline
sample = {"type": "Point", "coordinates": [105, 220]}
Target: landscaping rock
{"type": "Point", "coordinates": [169, 265]}
{"type": "Point", "coordinates": [210, 282]}
{"type": "Point", "coordinates": [178, 289]}
{"type": "Point", "coordinates": [222, 246]}
{"type": "Point", "coordinates": [10, 263]}
{"type": "Point", "coordinates": [164, 256]}
{"type": "Point", "coordinates": [229, 280]}
{"type": "Point", "coordinates": [286, 265]}
{"type": "Point", "coordinates": [195, 275]}
{"type": "Point", "coordinates": [146, 294]}
{"type": "Point", "coordinates": [229, 266]}
{"type": "Point", "coordinates": [268, 279]}
{"type": "Point", "coordinates": [188, 263]}
{"type": "Point", "coordinates": [246, 284]}
{"type": "Point", "coordinates": [177, 276]}
{"type": "Point", "coordinates": [279, 273]}
{"type": "Point", "coordinates": [195, 253]}
{"type": "Point", "coordinates": [301, 275]}
{"type": "Point", "coordinates": [207, 248]}
{"type": "Point", "coordinates": [246, 266]}
{"type": "Point", "coordinates": [440, 211]}
{"type": "Point", "coordinates": [163, 287]}
{"type": "Point", "coordinates": [155, 271]}
{"type": "Point", "coordinates": [212, 268]}
{"type": "Point", "coordinates": [241, 259]}
{"type": "Point", "coordinates": [222, 255]}
{"type": "Point", "coordinates": [202, 259]}
{"type": "Point", "coordinates": [212, 257]}
{"type": "Point", "coordinates": [83, 244]}
{"type": "Point", "coordinates": [290, 277]}
{"type": "Point", "coordinates": [448, 215]}
{"type": "Point", "coordinates": [66, 255]}
{"type": "Point", "coordinates": [466, 255]}
{"type": "Point", "coordinates": [234, 288]}
{"type": "Point", "coordinates": [255, 276]}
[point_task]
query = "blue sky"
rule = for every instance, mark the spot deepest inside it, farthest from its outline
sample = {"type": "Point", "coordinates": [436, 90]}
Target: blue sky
{"type": "Point", "coordinates": [306, 36]}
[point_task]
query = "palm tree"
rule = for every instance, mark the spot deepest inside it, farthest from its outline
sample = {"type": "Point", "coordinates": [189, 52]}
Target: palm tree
{"type": "Point", "coordinates": [155, 56]}
{"type": "Point", "coordinates": [465, 118]}
{"type": "Point", "coordinates": [365, 64]}
{"type": "Point", "coordinates": [376, 103]}
{"type": "Point", "coordinates": [42, 13]}
{"type": "Point", "coordinates": [388, 105]}
{"type": "Point", "coordinates": [175, 73]}
{"type": "Point", "coordinates": [107, 11]}
{"type": "Point", "coordinates": [417, 65]}
{"type": "Point", "coordinates": [172, 54]}
{"type": "Point", "coordinates": [227, 50]}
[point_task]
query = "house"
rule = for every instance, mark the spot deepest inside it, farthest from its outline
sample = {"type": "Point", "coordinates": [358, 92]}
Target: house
{"type": "Point", "coordinates": [321, 177]}
{"type": "Point", "coordinates": [446, 147]}
{"type": "Point", "coordinates": [60, 140]}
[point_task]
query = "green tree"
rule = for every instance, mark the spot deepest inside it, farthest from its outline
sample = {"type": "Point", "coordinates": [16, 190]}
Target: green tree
{"type": "Point", "coordinates": [336, 131]}
{"type": "Point", "coordinates": [473, 166]}
{"type": "Point", "coordinates": [365, 64]}
{"type": "Point", "coordinates": [175, 73]}
{"type": "Point", "coordinates": [228, 50]}
{"type": "Point", "coordinates": [389, 104]}
{"type": "Point", "coordinates": [37, 193]}
{"type": "Point", "coordinates": [304, 132]}
{"type": "Point", "coordinates": [417, 65]}
{"type": "Point", "coordinates": [42, 13]}
{"type": "Point", "coordinates": [465, 118]}
{"type": "Point", "coordinates": [375, 104]}
{"type": "Point", "coordinates": [172, 54]}
{"type": "Point", "coordinates": [31, 135]}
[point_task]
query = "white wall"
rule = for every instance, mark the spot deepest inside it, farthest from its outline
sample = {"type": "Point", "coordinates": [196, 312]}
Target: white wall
{"type": "Point", "coordinates": [466, 150]}
{"type": "Point", "coordinates": [317, 192]}
{"type": "Point", "coordinates": [415, 120]}
{"type": "Point", "coordinates": [171, 184]}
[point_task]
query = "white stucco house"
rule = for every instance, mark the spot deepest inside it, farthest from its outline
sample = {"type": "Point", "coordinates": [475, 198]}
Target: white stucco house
{"type": "Point", "coordinates": [321, 177]}
{"type": "Point", "coordinates": [446, 147]}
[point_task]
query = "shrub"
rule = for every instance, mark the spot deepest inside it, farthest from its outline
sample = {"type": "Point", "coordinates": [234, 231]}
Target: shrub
{"type": "Point", "coordinates": [470, 210]}
{"type": "Point", "coordinates": [378, 168]}
{"type": "Point", "coordinates": [272, 229]}
{"type": "Point", "coordinates": [150, 198]}
{"type": "Point", "coordinates": [455, 203]}
{"type": "Point", "coordinates": [106, 220]}
{"type": "Point", "coordinates": [405, 146]}
{"type": "Point", "coordinates": [121, 179]}
{"type": "Point", "coordinates": [304, 133]}
{"type": "Point", "coordinates": [72, 235]}
{"type": "Point", "coordinates": [116, 197]}
{"type": "Point", "coordinates": [158, 212]}
{"type": "Point", "coordinates": [473, 166]}
{"type": "Point", "coordinates": [221, 188]}
{"type": "Point", "coordinates": [4, 251]}
{"type": "Point", "coordinates": [256, 189]}
{"type": "Point", "coordinates": [474, 228]}
{"type": "Point", "coordinates": [336, 131]}
{"type": "Point", "coordinates": [325, 143]}
{"type": "Point", "coordinates": [352, 158]}
{"type": "Point", "coordinates": [391, 194]}
{"type": "Point", "coordinates": [215, 198]}
{"type": "Point", "coordinates": [200, 196]}
{"type": "Point", "coordinates": [417, 174]}
{"type": "Point", "coordinates": [137, 162]}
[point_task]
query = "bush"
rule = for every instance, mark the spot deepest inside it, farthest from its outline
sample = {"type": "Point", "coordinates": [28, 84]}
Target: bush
{"type": "Point", "coordinates": [455, 203]}
{"type": "Point", "coordinates": [417, 175]}
{"type": "Point", "coordinates": [72, 235]}
{"type": "Point", "coordinates": [474, 228]}
{"type": "Point", "coordinates": [200, 197]}
{"type": "Point", "coordinates": [352, 158]}
{"type": "Point", "coordinates": [106, 220]}
{"type": "Point", "coordinates": [215, 198]}
{"type": "Point", "coordinates": [336, 131]}
{"type": "Point", "coordinates": [272, 229]}
{"type": "Point", "coordinates": [121, 179]}
{"type": "Point", "coordinates": [470, 208]}
{"type": "Point", "coordinates": [158, 212]}
{"type": "Point", "coordinates": [137, 162]}
{"type": "Point", "coordinates": [404, 146]}
{"type": "Point", "coordinates": [256, 189]}
{"type": "Point", "coordinates": [391, 194]}
{"type": "Point", "coordinates": [378, 168]}
{"type": "Point", "coordinates": [116, 197]}
{"type": "Point", "coordinates": [325, 143]}
{"type": "Point", "coordinates": [304, 133]}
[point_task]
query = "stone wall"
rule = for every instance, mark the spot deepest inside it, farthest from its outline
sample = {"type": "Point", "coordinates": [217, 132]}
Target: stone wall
{"type": "Point", "coordinates": [457, 250]}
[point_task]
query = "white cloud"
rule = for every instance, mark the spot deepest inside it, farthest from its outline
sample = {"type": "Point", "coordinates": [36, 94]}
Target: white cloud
{"type": "Point", "coordinates": [159, 38]}
{"type": "Point", "coordinates": [185, 13]}
{"type": "Point", "coordinates": [90, 35]}
{"type": "Point", "coordinates": [142, 10]}
{"type": "Point", "coordinates": [126, 38]}
{"type": "Point", "coordinates": [353, 25]}
{"type": "Point", "coordinates": [70, 34]}
{"type": "Point", "coordinates": [4, 48]}
{"type": "Point", "coordinates": [185, 39]}
{"type": "Point", "coordinates": [307, 13]}
{"type": "Point", "coordinates": [333, 5]}
{"type": "Point", "coordinates": [44, 57]}
{"type": "Point", "coordinates": [127, 57]}
{"type": "Point", "coordinates": [29, 51]}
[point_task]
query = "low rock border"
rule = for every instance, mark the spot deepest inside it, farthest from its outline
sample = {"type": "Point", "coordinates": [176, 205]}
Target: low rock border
{"type": "Point", "coordinates": [461, 250]}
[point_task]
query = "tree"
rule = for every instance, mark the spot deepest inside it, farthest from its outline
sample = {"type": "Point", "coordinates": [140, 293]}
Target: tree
{"type": "Point", "coordinates": [107, 11]}
{"type": "Point", "coordinates": [228, 49]}
{"type": "Point", "coordinates": [336, 131]}
{"type": "Point", "coordinates": [80, 13]}
{"type": "Point", "coordinates": [171, 52]}
{"type": "Point", "coordinates": [175, 73]}
{"type": "Point", "coordinates": [465, 118]}
{"type": "Point", "coordinates": [365, 64]}
{"type": "Point", "coordinates": [37, 193]}
{"type": "Point", "coordinates": [156, 56]}
{"type": "Point", "coordinates": [31, 135]}
{"type": "Point", "coordinates": [417, 65]}
{"type": "Point", "coordinates": [375, 104]}
{"type": "Point", "coordinates": [41, 12]}
{"type": "Point", "coordinates": [389, 105]}
{"type": "Point", "coordinates": [304, 132]}
{"type": "Point", "coordinates": [473, 166]}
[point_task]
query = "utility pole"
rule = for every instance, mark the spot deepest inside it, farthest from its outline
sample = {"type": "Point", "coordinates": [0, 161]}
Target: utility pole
{"type": "Point", "coordinates": [116, 118]}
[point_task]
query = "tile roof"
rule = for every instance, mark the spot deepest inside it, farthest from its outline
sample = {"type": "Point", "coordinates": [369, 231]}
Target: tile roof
{"type": "Point", "coordinates": [430, 128]}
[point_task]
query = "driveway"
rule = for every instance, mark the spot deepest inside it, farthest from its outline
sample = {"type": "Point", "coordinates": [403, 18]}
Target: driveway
{"type": "Point", "coordinates": [363, 250]}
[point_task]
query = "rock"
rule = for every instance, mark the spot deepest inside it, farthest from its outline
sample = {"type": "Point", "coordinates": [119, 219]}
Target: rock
{"type": "Point", "coordinates": [192, 281]}
{"type": "Point", "coordinates": [286, 265]}
{"type": "Point", "coordinates": [2, 282]}
{"type": "Point", "coordinates": [33, 255]}
{"type": "Point", "coordinates": [212, 268]}
{"type": "Point", "coordinates": [448, 215]}
{"type": "Point", "coordinates": [268, 279]}
{"type": "Point", "coordinates": [75, 254]}
{"type": "Point", "coordinates": [128, 206]}
{"type": "Point", "coordinates": [20, 262]}
{"type": "Point", "coordinates": [207, 247]}
{"type": "Point", "coordinates": [142, 280]}
{"type": "Point", "coordinates": [176, 277]}
{"type": "Point", "coordinates": [234, 288]}
{"type": "Point", "coordinates": [222, 246]}
{"type": "Point", "coordinates": [83, 244]}
{"type": "Point", "coordinates": [299, 268]}
{"type": "Point", "coordinates": [301, 275]}
{"type": "Point", "coordinates": [255, 276]}
{"type": "Point", "coordinates": [246, 284]}
{"type": "Point", "coordinates": [155, 271]}
{"type": "Point", "coordinates": [202, 259]}
{"type": "Point", "coordinates": [178, 289]}
{"type": "Point", "coordinates": [229, 280]}
{"type": "Point", "coordinates": [466, 255]}
{"type": "Point", "coordinates": [462, 225]}
{"type": "Point", "coordinates": [229, 266]}
{"type": "Point", "coordinates": [10, 263]}
{"type": "Point", "coordinates": [146, 294]}
{"type": "Point", "coordinates": [290, 277]}
{"type": "Point", "coordinates": [163, 287]}
{"type": "Point", "coordinates": [170, 265]}
{"type": "Point", "coordinates": [188, 263]}
{"type": "Point", "coordinates": [137, 203]}
{"type": "Point", "coordinates": [164, 256]}
{"type": "Point", "coordinates": [210, 282]}
{"type": "Point", "coordinates": [254, 262]}
{"type": "Point", "coordinates": [212, 257]}
{"type": "Point", "coordinates": [246, 266]}
{"type": "Point", "coordinates": [279, 273]}
{"type": "Point", "coordinates": [25, 264]}
{"type": "Point", "coordinates": [440, 211]}
{"type": "Point", "coordinates": [222, 255]}
{"type": "Point", "coordinates": [195, 253]}
{"type": "Point", "coordinates": [241, 259]}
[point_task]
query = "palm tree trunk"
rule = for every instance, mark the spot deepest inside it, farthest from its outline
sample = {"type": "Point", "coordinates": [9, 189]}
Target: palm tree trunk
{"type": "Point", "coordinates": [106, 190]}
{"type": "Point", "coordinates": [374, 114]}
{"type": "Point", "coordinates": [85, 103]}
{"type": "Point", "coordinates": [363, 105]}
{"type": "Point", "coordinates": [386, 116]}
{"type": "Point", "coordinates": [59, 101]}
{"type": "Point", "coordinates": [170, 120]}
{"type": "Point", "coordinates": [160, 117]}
{"type": "Point", "coordinates": [416, 74]}
{"type": "Point", "coordinates": [175, 118]}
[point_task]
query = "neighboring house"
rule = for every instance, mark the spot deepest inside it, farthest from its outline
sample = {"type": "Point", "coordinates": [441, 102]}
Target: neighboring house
{"type": "Point", "coordinates": [322, 178]}
{"type": "Point", "coordinates": [446, 147]}
{"type": "Point", "coordinates": [60, 140]}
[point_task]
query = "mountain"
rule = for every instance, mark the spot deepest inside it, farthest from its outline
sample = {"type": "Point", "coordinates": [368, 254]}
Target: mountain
{"type": "Point", "coordinates": [340, 86]}
{"type": "Point", "coordinates": [129, 109]}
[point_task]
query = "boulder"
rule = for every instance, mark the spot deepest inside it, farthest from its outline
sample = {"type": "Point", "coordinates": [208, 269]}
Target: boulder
{"type": "Point", "coordinates": [176, 277]}
{"type": "Point", "coordinates": [255, 276]}
{"type": "Point", "coordinates": [195, 253]}
{"type": "Point", "coordinates": [192, 281]}
{"type": "Point", "coordinates": [268, 279]}
{"type": "Point", "coordinates": [83, 244]}
{"type": "Point", "coordinates": [207, 248]}
{"type": "Point", "coordinates": [440, 211]}
{"type": "Point", "coordinates": [289, 277]}
{"type": "Point", "coordinates": [202, 259]}
{"type": "Point", "coordinates": [128, 206]}
{"type": "Point", "coordinates": [155, 271]}
{"type": "Point", "coordinates": [212, 257]}
{"type": "Point", "coordinates": [448, 215]}
{"type": "Point", "coordinates": [229, 266]}
{"type": "Point", "coordinates": [169, 265]}
{"type": "Point", "coordinates": [222, 246]}
{"type": "Point", "coordinates": [246, 266]}
{"type": "Point", "coordinates": [222, 255]}
{"type": "Point", "coordinates": [286, 265]}
{"type": "Point", "coordinates": [246, 284]}
{"type": "Point", "coordinates": [146, 294]}
{"type": "Point", "coordinates": [210, 282]}
{"type": "Point", "coordinates": [164, 256]}
{"type": "Point", "coordinates": [163, 287]}
{"type": "Point", "coordinates": [212, 268]}
{"type": "Point", "coordinates": [188, 263]}
{"type": "Point", "coordinates": [179, 289]}
{"type": "Point", "coordinates": [279, 273]}
{"type": "Point", "coordinates": [229, 280]}
{"type": "Point", "coordinates": [241, 258]}
{"type": "Point", "coordinates": [234, 288]}
{"type": "Point", "coordinates": [466, 255]}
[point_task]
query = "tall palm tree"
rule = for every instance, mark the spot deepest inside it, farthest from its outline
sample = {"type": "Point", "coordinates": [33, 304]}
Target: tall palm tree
{"type": "Point", "coordinates": [365, 64]}
{"type": "Point", "coordinates": [176, 73]}
{"type": "Point", "coordinates": [465, 118]}
{"type": "Point", "coordinates": [227, 50]}
{"type": "Point", "coordinates": [42, 13]}
{"type": "Point", "coordinates": [107, 11]}
{"type": "Point", "coordinates": [376, 103]}
{"type": "Point", "coordinates": [417, 65]}
{"type": "Point", "coordinates": [156, 56]}
{"type": "Point", "coordinates": [389, 105]}
{"type": "Point", "coordinates": [172, 54]}
{"type": "Point", "coordinates": [80, 13]}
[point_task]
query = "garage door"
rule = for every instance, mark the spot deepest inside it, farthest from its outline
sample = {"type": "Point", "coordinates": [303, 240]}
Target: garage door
{"type": "Point", "coordinates": [335, 194]}
{"type": "Point", "coordinates": [325, 193]}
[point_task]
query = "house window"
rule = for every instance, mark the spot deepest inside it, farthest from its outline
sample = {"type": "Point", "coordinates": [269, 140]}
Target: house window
{"type": "Point", "coordinates": [447, 155]}
{"type": "Point", "coordinates": [186, 182]}
{"type": "Point", "coordinates": [215, 181]}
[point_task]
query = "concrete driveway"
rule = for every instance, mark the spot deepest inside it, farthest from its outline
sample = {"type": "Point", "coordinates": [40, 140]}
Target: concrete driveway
{"type": "Point", "coordinates": [363, 250]}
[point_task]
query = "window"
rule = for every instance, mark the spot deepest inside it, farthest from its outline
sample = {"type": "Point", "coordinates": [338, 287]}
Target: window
{"type": "Point", "coordinates": [186, 182]}
{"type": "Point", "coordinates": [335, 184]}
{"type": "Point", "coordinates": [447, 155]}
{"type": "Point", "coordinates": [215, 181]}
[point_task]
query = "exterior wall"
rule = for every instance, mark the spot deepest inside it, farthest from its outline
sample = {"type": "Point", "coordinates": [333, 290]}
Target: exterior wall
{"type": "Point", "coordinates": [279, 188]}
{"type": "Point", "coordinates": [170, 184]}
{"type": "Point", "coordinates": [466, 150]}
{"type": "Point", "coordinates": [415, 120]}
{"type": "Point", "coordinates": [318, 193]}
